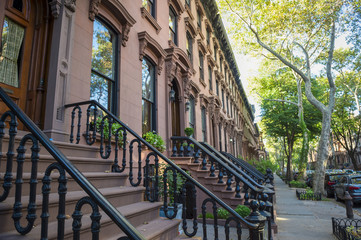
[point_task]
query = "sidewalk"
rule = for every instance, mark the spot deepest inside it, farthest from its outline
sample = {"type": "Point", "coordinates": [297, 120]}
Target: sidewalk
{"type": "Point", "coordinates": [305, 219]}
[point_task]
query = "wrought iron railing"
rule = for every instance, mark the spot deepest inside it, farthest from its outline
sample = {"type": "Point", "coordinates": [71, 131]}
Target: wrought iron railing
{"type": "Point", "coordinates": [248, 168]}
{"type": "Point", "coordinates": [161, 184]}
{"type": "Point", "coordinates": [238, 169]}
{"type": "Point", "coordinates": [346, 229]}
{"type": "Point", "coordinates": [306, 195]}
{"type": "Point", "coordinates": [209, 161]}
{"type": "Point", "coordinates": [63, 166]}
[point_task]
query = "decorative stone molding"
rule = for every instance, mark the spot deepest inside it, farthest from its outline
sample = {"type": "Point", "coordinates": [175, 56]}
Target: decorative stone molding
{"type": "Point", "coordinates": [211, 61]}
{"type": "Point", "coordinates": [93, 9]}
{"type": "Point", "coordinates": [202, 47]}
{"type": "Point", "coordinates": [200, 8]}
{"type": "Point", "coordinates": [147, 42]}
{"type": "Point", "coordinates": [177, 6]}
{"type": "Point", "coordinates": [190, 26]}
{"type": "Point", "coordinates": [145, 14]}
{"type": "Point", "coordinates": [118, 10]}
{"type": "Point", "coordinates": [70, 4]}
{"type": "Point", "coordinates": [55, 6]}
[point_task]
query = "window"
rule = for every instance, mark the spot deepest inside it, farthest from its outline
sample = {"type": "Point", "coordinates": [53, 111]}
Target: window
{"type": "Point", "coordinates": [201, 70]}
{"type": "Point", "coordinates": [220, 136]}
{"type": "Point", "coordinates": [172, 25]}
{"type": "Point", "coordinates": [199, 20]}
{"type": "Point", "coordinates": [150, 6]}
{"type": "Point", "coordinates": [227, 105]}
{"type": "Point", "coordinates": [225, 140]}
{"type": "Point", "coordinates": [189, 47]}
{"type": "Point", "coordinates": [225, 75]}
{"type": "Point", "coordinates": [208, 37]}
{"type": "Point", "coordinates": [231, 110]}
{"type": "Point", "coordinates": [188, 2]}
{"type": "Point", "coordinates": [210, 78]}
{"type": "Point", "coordinates": [191, 113]}
{"type": "Point", "coordinates": [204, 125]}
{"type": "Point", "coordinates": [215, 53]}
{"type": "Point", "coordinates": [148, 96]}
{"type": "Point", "coordinates": [217, 87]}
{"type": "Point", "coordinates": [223, 98]}
{"type": "Point", "coordinates": [104, 62]}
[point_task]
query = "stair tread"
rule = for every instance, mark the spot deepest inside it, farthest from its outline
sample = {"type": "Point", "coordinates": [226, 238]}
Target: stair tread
{"type": "Point", "coordinates": [126, 211]}
{"type": "Point", "coordinates": [27, 175]}
{"type": "Point", "coordinates": [71, 196]}
{"type": "Point", "coordinates": [153, 228]}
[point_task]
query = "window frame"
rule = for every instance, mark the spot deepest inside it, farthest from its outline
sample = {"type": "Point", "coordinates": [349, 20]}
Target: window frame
{"type": "Point", "coordinates": [189, 46]}
{"type": "Point", "coordinates": [153, 118]}
{"type": "Point", "coordinates": [204, 123]}
{"type": "Point", "coordinates": [201, 65]}
{"type": "Point", "coordinates": [210, 78]}
{"type": "Point", "coordinates": [152, 8]}
{"type": "Point", "coordinates": [174, 32]}
{"type": "Point", "coordinates": [192, 112]}
{"type": "Point", "coordinates": [112, 99]}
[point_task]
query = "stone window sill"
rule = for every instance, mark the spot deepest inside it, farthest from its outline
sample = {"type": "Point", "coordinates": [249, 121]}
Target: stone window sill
{"type": "Point", "coordinates": [150, 18]}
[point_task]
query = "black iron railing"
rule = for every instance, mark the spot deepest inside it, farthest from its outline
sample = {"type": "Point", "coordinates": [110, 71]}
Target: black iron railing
{"type": "Point", "coordinates": [308, 195]}
{"type": "Point", "coordinates": [209, 161]}
{"type": "Point", "coordinates": [238, 169]}
{"type": "Point", "coordinates": [346, 229]}
{"type": "Point", "coordinates": [63, 165]}
{"type": "Point", "coordinates": [248, 168]}
{"type": "Point", "coordinates": [161, 182]}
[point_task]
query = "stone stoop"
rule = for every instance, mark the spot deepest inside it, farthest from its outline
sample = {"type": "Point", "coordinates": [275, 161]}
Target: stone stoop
{"type": "Point", "coordinates": [228, 196]}
{"type": "Point", "coordinates": [128, 200]}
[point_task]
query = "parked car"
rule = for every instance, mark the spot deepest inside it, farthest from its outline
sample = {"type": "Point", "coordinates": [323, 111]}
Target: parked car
{"type": "Point", "coordinates": [330, 180]}
{"type": "Point", "coordinates": [350, 183]}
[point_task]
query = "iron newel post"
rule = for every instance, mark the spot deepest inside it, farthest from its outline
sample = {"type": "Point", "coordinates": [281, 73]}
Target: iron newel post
{"type": "Point", "coordinates": [256, 217]}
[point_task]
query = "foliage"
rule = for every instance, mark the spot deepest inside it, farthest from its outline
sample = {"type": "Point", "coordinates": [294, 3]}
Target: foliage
{"type": "Point", "coordinates": [222, 213]}
{"type": "Point", "coordinates": [189, 131]}
{"type": "Point", "coordinates": [355, 232]}
{"type": "Point", "coordinates": [297, 184]}
{"type": "Point", "coordinates": [115, 127]}
{"type": "Point", "coordinates": [208, 215]}
{"type": "Point", "coordinates": [263, 165]}
{"type": "Point", "coordinates": [173, 193]}
{"type": "Point", "coordinates": [155, 140]}
{"type": "Point", "coordinates": [243, 210]}
{"type": "Point", "coordinates": [185, 144]}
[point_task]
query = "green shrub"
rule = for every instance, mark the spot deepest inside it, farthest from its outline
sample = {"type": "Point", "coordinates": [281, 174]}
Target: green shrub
{"type": "Point", "coordinates": [189, 131]}
{"type": "Point", "coordinates": [222, 213]}
{"type": "Point", "coordinates": [115, 127]}
{"type": "Point", "coordinates": [263, 165]}
{"type": "Point", "coordinates": [155, 140]}
{"type": "Point", "coordinates": [297, 184]}
{"type": "Point", "coordinates": [243, 210]}
{"type": "Point", "coordinates": [208, 215]}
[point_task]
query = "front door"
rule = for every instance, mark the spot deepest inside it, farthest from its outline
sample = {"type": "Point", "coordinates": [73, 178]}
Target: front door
{"type": "Point", "coordinates": [175, 111]}
{"type": "Point", "coordinates": [16, 38]}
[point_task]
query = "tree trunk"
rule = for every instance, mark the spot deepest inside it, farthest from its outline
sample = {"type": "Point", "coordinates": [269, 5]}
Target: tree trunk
{"type": "Point", "coordinates": [354, 161]}
{"type": "Point", "coordinates": [322, 154]}
{"type": "Point", "coordinates": [333, 151]}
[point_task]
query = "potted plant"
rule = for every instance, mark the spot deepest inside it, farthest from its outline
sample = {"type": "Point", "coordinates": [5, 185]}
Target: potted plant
{"type": "Point", "coordinates": [115, 127]}
{"type": "Point", "coordinates": [155, 140]}
{"type": "Point", "coordinates": [189, 131]}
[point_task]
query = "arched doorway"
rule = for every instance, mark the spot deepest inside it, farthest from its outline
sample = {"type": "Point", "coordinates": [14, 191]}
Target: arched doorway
{"type": "Point", "coordinates": [175, 108]}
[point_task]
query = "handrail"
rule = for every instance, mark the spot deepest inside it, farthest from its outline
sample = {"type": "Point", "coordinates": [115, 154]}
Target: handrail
{"type": "Point", "coordinates": [232, 165]}
{"type": "Point", "coordinates": [246, 165]}
{"type": "Point", "coordinates": [215, 158]}
{"type": "Point", "coordinates": [171, 163]}
{"type": "Point", "coordinates": [92, 191]}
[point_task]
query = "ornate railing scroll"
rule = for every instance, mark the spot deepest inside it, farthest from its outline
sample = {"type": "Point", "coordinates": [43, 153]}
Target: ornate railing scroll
{"type": "Point", "coordinates": [36, 138]}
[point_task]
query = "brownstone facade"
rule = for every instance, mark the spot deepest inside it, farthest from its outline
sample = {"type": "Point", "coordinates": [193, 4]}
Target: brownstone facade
{"type": "Point", "coordinates": [167, 65]}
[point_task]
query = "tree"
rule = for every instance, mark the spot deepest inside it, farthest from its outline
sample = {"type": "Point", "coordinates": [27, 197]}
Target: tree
{"type": "Point", "coordinates": [282, 114]}
{"type": "Point", "coordinates": [346, 120]}
{"type": "Point", "coordinates": [295, 33]}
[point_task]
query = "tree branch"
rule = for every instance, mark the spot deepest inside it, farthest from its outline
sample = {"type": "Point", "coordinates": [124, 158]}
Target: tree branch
{"type": "Point", "coordinates": [277, 100]}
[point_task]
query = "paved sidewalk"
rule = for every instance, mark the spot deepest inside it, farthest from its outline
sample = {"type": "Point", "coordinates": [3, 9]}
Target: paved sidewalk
{"type": "Point", "coordinates": [304, 220]}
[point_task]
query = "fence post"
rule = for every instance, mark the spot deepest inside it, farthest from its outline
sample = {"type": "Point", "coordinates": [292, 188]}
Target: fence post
{"type": "Point", "coordinates": [256, 217]}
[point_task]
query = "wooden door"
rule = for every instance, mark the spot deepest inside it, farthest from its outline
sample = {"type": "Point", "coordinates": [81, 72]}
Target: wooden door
{"type": "Point", "coordinates": [175, 112]}
{"type": "Point", "coordinates": [16, 37]}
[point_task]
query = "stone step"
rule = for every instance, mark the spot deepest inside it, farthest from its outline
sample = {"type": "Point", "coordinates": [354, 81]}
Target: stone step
{"type": "Point", "coordinates": [98, 179]}
{"type": "Point", "coordinates": [143, 215]}
{"type": "Point", "coordinates": [117, 196]}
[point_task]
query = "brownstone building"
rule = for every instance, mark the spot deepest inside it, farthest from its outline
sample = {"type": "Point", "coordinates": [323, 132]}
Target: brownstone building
{"type": "Point", "coordinates": [158, 65]}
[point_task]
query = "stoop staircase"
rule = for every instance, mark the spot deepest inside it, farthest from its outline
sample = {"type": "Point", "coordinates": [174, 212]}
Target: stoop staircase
{"type": "Point", "coordinates": [104, 185]}
{"type": "Point", "coordinates": [128, 200]}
